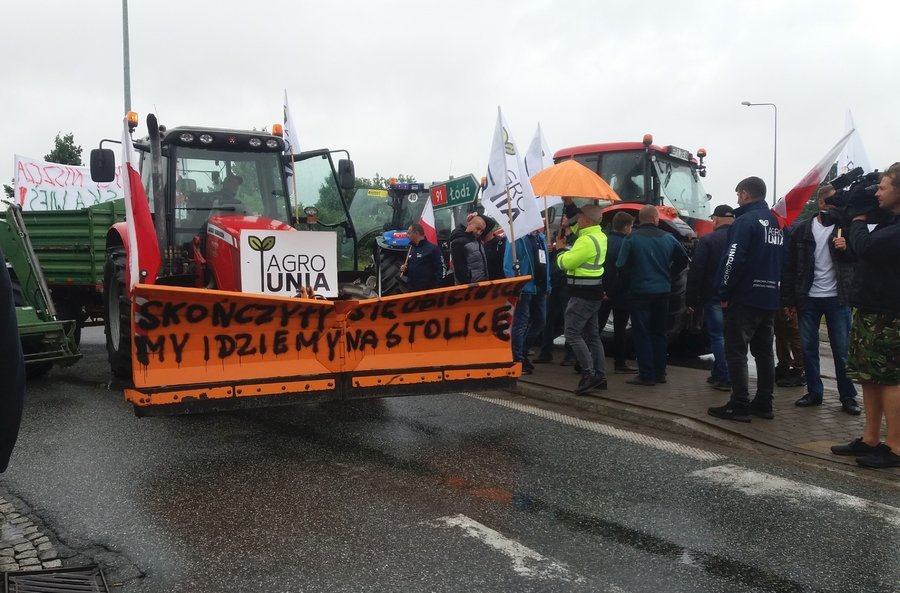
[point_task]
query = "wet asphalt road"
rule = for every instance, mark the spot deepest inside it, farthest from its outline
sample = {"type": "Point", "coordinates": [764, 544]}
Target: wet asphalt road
{"type": "Point", "coordinates": [444, 493]}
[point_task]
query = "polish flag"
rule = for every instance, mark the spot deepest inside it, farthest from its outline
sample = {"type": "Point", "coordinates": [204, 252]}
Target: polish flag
{"type": "Point", "coordinates": [427, 222]}
{"type": "Point", "coordinates": [143, 249]}
{"type": "Point", "coordinates": [789, 207]}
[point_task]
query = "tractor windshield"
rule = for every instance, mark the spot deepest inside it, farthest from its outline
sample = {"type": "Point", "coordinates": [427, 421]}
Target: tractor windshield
{"type": "Point", "coordinates": [222, 182]}
{"type": "Point", "coordinates": [680, 187]}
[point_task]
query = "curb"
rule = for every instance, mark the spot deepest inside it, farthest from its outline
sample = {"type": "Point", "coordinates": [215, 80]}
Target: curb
{"type": "Point", "coordinates": [686, 426]}
{"type": "Point", "coordinates": [635, 414]}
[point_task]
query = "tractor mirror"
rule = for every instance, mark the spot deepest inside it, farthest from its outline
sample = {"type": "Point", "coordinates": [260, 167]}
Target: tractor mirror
{"type": "Point", "coordinates": [346, 174]}
{"type": "Point", "coordinates": [103, 165]}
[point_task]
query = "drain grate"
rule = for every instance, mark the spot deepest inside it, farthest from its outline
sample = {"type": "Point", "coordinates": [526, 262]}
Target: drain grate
{"type": "Point", "coordinates": [84, 579]}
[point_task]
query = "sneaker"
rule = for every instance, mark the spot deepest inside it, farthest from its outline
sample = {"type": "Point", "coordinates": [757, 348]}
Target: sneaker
{"type": "Point", "coordinates": [602, 386]}
{"type": "Point", "coordinates": [850, 406]}
{"type": "Point", "coordinates": [711, 380]}
{"type": "Point", "coordinates": [662, 379]}
{"type": "Point", "coordinates": [625, 369]}
{"type": "Point", "coordinates": [641, 382]}
{"type": "Point", "coordinates": [527, 367]}
{"type": "Point", "coordinates": [589, 380]}
{"type": "Point", "coordinates": [881, 457]}
{"type": "Point", "coordinates": [729, 412]}
{"type": "Point", "coordinates": [722, 386]}
{"type": "Point", "coordinates": [577, 368]}
{"type": "Point", "coordinates": [857, 448]}
{"type": "Point", "coordinates": [809, 400]}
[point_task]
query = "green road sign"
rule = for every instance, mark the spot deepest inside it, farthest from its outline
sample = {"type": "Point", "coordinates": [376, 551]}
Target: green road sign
{"type": "Point", "coordinates": [454, 192]}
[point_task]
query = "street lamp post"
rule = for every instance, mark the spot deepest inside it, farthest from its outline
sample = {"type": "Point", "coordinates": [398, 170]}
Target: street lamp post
{"type": "Point", "coordinates": [775, 155]}
{"type": "Point", "coordinates": [125, 57]}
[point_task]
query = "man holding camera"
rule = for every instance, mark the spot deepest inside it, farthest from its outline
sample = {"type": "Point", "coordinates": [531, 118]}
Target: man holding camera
{"type": "Point", "coordinates": [874, 358]}
{"type": "Point", "coordinates": [816, 282]}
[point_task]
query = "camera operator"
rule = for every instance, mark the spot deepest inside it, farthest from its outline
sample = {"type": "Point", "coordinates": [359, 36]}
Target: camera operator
{"type": "Point", "coordinates": [874, 358]}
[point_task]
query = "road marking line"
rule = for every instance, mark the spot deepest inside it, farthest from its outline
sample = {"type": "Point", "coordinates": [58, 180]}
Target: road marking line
{"type": "Point", "coordinates": [605, 429]}
{"type": "Point", "coordinates": [760, 484]}
{"type": "Point", "coordinates": [525, 561]}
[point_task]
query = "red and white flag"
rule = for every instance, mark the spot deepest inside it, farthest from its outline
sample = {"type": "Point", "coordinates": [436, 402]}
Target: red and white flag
{"type": "Point", "coordinates": [788, 208]}
{"type": "Point", "coordinates": [427, 222]}
{"type": "Point", "coordinates": [143, 249]}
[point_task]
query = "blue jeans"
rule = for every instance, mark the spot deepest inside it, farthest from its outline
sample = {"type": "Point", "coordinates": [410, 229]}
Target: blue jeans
{"type": "Point", "coordinates": [649, 316]}
{"type": "Point", "coordinates": [837, 320]}
{"type": "Point", "coordinates": [528, 320]}
{"type": "Point", "coordinates": [715, 327]}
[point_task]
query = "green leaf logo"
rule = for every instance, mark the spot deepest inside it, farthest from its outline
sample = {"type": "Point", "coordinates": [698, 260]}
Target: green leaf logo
{"type": "Point", "coordinates": [257, 244]}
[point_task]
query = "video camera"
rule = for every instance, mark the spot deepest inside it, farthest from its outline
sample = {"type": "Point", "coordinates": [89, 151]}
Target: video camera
{"type": "Point", "coordinates": [855, 197]}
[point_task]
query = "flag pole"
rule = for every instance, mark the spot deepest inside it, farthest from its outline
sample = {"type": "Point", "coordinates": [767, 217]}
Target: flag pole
{"type": "Point", "coordinates": [512, 231]}
{"type": "Point", "coordinates": [546, 219]}
{"type": "Point", "coordinates": [294, 179]}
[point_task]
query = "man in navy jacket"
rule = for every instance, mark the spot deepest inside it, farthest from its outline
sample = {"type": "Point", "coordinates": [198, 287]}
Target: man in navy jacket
{"type": "Point", "coordinates": [749, 289]}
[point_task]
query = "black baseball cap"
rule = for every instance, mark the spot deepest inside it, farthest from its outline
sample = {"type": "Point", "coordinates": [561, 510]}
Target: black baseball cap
{"type": "Point", "coordinates": [724, 211]}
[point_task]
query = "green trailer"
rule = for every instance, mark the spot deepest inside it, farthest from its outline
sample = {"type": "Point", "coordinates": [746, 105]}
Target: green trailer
{"type": "Point", "coordinates": [46, 338]}
{"type": "Point", "coordinates": [71, 246]}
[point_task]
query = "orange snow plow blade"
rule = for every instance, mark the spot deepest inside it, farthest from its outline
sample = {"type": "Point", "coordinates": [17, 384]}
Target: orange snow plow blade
{"type": "Point", "coordinates": [206, 350]}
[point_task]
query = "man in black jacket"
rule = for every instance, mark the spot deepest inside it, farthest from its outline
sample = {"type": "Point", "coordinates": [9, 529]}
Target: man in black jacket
{"type": "Point", "coordinates": [615, 300]}
{"type": "Point", "coordinates": [750, 274]}
{"type": "Point", "coordinates": [494, 248]}
{"type": "Point", "coordinates": [12, 369]}
{"type": "Point", "coordinates": [874, 358]}
{"type": "Point", "coordinates": [424, 267]}
{"type": "Point", "coordinates": [703, 291]}
{"type": "Point", "coordinates": [467, 253]}
{"type": "Point", "coordinates": [816, 282]}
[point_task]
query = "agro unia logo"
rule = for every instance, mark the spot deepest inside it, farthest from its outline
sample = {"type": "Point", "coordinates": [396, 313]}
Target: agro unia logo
{"type": "Point", "coordinates": [286, 272]}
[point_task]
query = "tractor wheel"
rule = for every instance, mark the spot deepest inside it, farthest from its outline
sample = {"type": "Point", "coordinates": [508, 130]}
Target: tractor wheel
{"type": "Point", "coordinates": [117, 314]}
{"type": "Point", "coordinates": [389, 262]}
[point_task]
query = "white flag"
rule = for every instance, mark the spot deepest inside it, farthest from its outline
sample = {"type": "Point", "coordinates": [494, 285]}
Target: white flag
{"type": "Point", "coordinates": [291, 143]}
{"type": "Point", "coordinates": [854, 153]}
{"type": "Point", "coordinates": [539, 158]}
{"type": "Point", "coordinates": [291, 137]}
{"type": "Point", "coordinates": [508, 197]}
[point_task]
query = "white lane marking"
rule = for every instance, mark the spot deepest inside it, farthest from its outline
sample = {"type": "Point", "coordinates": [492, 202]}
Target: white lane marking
{"type": "Point", "coordinates": [525, 561]}
{"type": "Point", "coordinates": [605, 429]}
{"type": "Point", "coordinates": [754, 483]}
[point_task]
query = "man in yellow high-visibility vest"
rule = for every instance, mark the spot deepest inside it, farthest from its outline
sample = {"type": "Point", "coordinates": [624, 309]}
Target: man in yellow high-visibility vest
{"type": "Point", "coordinates": [583, 263]}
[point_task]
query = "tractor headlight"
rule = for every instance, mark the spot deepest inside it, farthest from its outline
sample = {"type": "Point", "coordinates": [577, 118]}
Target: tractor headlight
{"type": "Point", "coordinates": [272, 143]}
{"type": "Point", "coordinates": [255, 142]}
{"type": "Point", "coordinates": [186, 137]}
{"type": "Point", "coordinates": [206, 138]}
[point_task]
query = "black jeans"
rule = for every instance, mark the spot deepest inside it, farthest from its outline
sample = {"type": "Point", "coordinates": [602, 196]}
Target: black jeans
{"type": "Point", "coordinates": [555, 320]}
{"type": "Point", "coordinates": [745, 325]}
{"type": "Point", "coordinates": [620, 327]}
{"type": "Point", "coordinates": [649, 316]}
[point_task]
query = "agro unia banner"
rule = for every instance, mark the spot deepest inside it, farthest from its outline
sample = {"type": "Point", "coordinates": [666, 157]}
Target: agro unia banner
{"type": "Point", "coordinates": [50, 186]}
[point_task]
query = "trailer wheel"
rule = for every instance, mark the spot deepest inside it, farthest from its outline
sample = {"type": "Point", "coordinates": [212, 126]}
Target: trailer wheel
{"type": "Point", "coordinates": [389, 262]}
{"type": "Point", "coordinates": [117, 314]}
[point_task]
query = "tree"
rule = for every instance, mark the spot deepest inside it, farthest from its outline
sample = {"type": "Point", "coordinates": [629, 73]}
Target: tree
{"type": "Point", "coordinates": [9, 191]}
{"type": "Point", "coordinates": [65, 151]}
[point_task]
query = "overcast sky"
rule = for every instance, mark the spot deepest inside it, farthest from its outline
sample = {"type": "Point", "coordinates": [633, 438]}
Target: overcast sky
{"type": "Point", "coordinates": [413, 86]}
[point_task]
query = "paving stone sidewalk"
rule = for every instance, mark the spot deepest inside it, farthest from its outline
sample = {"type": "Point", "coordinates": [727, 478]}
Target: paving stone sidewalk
{"type": "Point", "coordinates": [808, 431]}
{"type": "Point", "coordinates": [23, 546]}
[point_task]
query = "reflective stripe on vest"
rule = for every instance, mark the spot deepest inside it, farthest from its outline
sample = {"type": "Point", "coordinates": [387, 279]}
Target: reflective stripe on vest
{"type": "Point", "coordinates": [585, 273]}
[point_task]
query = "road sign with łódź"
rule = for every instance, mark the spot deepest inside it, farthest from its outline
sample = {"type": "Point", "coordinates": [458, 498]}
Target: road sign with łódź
{"type": "Point", "coordinates": [454, 192]}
